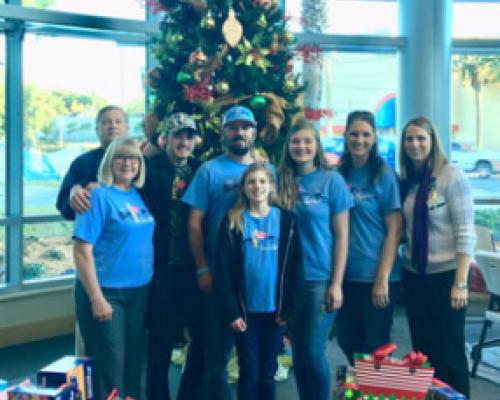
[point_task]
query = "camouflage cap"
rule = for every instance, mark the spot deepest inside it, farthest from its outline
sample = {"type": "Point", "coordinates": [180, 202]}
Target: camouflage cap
{"type": "Point", "coordinates": [180, 122]}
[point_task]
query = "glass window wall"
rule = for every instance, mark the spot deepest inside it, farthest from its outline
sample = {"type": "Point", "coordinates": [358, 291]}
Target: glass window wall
{"type": "Point", "coordinates": [61, 98]}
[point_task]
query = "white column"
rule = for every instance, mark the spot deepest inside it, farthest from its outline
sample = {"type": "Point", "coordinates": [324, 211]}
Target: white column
{"type": "Point", "coordinates": [425, 75]}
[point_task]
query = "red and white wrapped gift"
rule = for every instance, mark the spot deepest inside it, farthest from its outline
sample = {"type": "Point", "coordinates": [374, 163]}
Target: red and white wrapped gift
{"type": "Point", "coordinates": [377, 373]}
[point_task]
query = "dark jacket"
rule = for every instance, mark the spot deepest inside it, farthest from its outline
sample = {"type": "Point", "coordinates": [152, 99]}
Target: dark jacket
{"type": "Point", "coordinates": [156, 193]}
{"type": "Point", "coordinates": [82, 171]}
{"type": "Point", "coordinates": [229, 275]}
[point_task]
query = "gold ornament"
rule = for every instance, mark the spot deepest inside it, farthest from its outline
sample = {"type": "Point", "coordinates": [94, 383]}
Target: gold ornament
{"type": "Point", "coordinates": [197, 57]}
{"type": "Point", "coordinates": [222, 87]}
{"type": "Point", "coordinates": [275, 45]}
{"type": "Point", "coordinates": [232, 29]}
{"type": "Point", "coordinates": [288, 37]}
{"type": "Point", "coordinates": [288, 85]}
{"type": "Point", "coordinates": [262, 22]}
{"type": "Point", "coordinates": [208, 22]}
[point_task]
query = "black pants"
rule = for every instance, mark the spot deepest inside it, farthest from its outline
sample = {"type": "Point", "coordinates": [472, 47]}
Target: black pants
{"type": "Point", "coordinates": [437, 329]}
{"type": "Point", "coordinates": [116, 346]}
{"type": "Point", "coordinates": [174, 293]}
{"type": "Point", "coordinates": [361, 327]}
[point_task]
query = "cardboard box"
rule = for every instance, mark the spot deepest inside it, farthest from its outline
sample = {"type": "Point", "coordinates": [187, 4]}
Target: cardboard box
{"type": "Point", "coordinates": [30, 392]}
{"type": "Point", "coordinates": [61, 371]}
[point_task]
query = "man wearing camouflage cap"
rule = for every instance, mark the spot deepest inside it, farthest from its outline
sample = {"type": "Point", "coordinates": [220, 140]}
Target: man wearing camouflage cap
{"type": "Point", "coordinates": [173, 291]}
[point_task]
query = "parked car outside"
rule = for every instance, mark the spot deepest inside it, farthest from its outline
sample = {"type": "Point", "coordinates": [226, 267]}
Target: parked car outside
{"type": "Point", "coordinates": [483, 162]}
{"type": "Point", "coordinates": [334, 147]}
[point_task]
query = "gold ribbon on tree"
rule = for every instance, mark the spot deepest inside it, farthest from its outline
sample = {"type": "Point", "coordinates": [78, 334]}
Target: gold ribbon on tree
{"type": "Point", "coordinates": [275, 117]}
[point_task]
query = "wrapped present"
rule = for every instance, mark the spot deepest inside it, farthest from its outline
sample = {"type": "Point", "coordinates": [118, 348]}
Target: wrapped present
{"type": "Point", "coordinates": [31, 392]}
{"type": "Point", "coordinates": [442, 391]}
{"type": "Point", "coordinates": [380, 375]}
{"type": "Point", "coordinates": [66, 370]}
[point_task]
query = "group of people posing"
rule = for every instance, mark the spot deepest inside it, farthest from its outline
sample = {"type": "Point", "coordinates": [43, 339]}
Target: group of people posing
{"type": "Point", "coordinates": [245, 252]}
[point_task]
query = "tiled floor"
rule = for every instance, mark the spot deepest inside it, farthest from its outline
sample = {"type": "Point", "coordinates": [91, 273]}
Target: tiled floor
{"type": "Point", "coordinates": [19, 361]}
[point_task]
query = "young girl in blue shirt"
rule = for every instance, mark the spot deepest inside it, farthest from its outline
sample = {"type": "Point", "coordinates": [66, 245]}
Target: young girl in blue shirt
{"type": "Point", "coordinates": [320, 199]}
{"type": "Point", "coordinates": [255, 277]}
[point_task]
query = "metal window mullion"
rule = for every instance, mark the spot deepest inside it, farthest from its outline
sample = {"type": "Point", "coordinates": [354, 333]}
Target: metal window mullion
{"type": "Point", "coordinates": [14, 154]}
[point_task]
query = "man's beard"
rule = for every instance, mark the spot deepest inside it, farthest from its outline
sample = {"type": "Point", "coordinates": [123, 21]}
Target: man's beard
{"type": "Point", "coordinates": [239, 151]}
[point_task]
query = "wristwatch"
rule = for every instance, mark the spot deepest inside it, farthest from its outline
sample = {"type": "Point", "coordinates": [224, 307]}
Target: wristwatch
{"type": "Point", "coordinates": [461, 285]}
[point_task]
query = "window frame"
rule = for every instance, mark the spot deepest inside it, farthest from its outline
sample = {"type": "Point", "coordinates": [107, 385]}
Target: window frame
{"type": "Point", "coordinates": [17, 20]}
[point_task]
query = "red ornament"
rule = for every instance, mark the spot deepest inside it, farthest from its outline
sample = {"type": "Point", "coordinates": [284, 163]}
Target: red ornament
{"type": "Point", "coordinates": [199, 91]}
{"type": "Point", "coordinates": [266, 4]}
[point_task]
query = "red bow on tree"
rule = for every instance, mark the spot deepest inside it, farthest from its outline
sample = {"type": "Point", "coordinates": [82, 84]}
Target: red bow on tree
{"type": "Point", "coordinates": [198, 91]}
{"type": "Point", "coordinates": [309, 53]}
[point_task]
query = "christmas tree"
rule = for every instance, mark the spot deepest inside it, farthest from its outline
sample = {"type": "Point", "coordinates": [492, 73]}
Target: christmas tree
{"type": "Point", "coordinates": [213, 54]}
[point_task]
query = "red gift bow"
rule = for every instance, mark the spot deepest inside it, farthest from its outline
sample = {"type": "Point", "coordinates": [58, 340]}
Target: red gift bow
{"type": "Point", "coordinates": [383, 351]}
{"type": "Point", "coordinates": [415, 359]}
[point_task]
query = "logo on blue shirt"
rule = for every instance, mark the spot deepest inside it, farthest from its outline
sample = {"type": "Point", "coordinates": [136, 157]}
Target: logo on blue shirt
{"type": "Point", "coordinates": [138, 214]}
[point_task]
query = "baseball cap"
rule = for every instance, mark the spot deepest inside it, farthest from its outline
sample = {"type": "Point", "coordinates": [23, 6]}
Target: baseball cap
{"type": "Point", "coordinates": [180, 122]}
{"type": "Point", "coordinates": [239, 113]}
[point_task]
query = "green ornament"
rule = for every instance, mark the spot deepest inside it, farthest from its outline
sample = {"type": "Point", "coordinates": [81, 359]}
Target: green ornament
{"type": "Point", "coordinates": [184, 77]}
{"type": "Point", "coordinates": [258, 102]}
{"type": "Point", "coordinates": [176, 38]}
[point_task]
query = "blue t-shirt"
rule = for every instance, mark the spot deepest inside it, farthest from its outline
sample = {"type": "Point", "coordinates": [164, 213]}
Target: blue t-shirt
{"type": "Point", "coordinates": [322, 195]}
{"type": "Point", "coordinates": [120, 227]}
{"type": "Point", "coordinates": [372, 204]}
{"type": "Point", "coordinates": [260, 241]}
{"type": "Point", "coordinates": [214, 190]}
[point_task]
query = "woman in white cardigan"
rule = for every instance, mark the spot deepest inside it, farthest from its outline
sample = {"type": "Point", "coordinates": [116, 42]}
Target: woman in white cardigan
{"type": "Point", "coordinates": [440, 238]}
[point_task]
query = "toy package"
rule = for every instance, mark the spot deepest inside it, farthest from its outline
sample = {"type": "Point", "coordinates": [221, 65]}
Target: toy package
{"type": "Point", "coordinates": [31, 392]}
{"type": "Point", "coordinates": [63, 370]}
{"type": "Point", "coordinates": [380, 376]}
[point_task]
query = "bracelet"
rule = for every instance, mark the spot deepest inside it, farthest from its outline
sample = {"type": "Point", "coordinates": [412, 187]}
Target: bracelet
{"type": "Point", "coordinates": [461, 285]}
{"type": "Point", "coordinates": [202, 271]}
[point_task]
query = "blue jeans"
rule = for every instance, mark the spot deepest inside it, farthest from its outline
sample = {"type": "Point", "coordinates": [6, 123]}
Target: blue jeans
{"type": "Point", "coordinates": [309, 330]}
{"type": "Point", "coordinates": [361, 327]}
{"type": "Point", "coordinates": [258, 348]}
{"type": "Point", "coordinates": [218, 341]}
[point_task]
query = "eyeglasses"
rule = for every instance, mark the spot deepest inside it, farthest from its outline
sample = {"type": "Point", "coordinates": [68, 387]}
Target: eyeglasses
{"type": "Point", "coordinates": [126, 157]}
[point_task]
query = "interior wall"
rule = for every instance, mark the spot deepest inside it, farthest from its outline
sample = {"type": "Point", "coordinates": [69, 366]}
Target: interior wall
{"type": "Point", "coordinates": [33, 315]}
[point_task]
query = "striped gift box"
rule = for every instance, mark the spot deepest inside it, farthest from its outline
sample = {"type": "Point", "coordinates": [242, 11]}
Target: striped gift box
{"type": "Point", "coordinates": [391, 376]}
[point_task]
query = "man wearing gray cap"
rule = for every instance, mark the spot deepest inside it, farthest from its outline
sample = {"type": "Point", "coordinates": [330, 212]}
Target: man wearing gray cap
{"type": "Point", "coordinates": [173, 291]}
{"type": "Point", "coordinates": [211, 194]}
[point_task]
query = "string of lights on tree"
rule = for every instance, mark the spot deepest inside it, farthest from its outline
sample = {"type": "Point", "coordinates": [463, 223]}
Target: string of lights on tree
{"type": "Point", "coordinates": [213, 54]}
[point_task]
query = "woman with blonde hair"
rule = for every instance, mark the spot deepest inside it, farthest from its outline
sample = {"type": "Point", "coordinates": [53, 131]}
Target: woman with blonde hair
{"type": "Point", "coordinates": [256, 276]}
{"type": "Point", "coordinates": [439, 232]}
{"type": "Point", "coordinates": [320, 199]}
{"type": "Point", "coordinates": [113, 252]}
